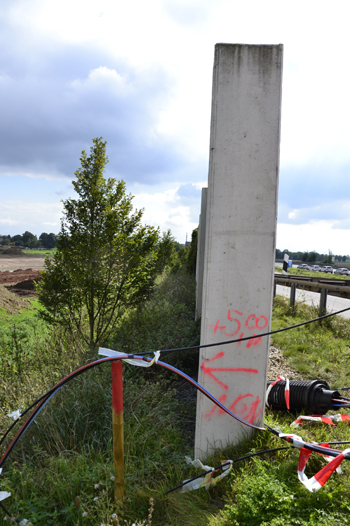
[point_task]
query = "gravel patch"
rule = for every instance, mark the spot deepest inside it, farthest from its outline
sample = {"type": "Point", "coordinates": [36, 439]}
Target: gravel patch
{"type": "Point", "coordinates": [278, 366]}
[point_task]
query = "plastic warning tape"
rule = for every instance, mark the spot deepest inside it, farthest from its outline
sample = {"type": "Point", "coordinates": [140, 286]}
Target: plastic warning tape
{"type": "Point", "coordinates": [286, 390]}
{"type": "Point", "coordinates": [317, 481]}
{"type": "Point", "coordinates": [325, 419]}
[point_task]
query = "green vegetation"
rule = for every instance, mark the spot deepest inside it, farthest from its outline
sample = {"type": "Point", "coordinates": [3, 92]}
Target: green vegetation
{"type": "Point", "coordinates": [311, 274]}
{"type": "Point", "coordinates": [53, 472]}
{"type": "Point", "coordinates": [106, 260]}
{"type": "Point", "coordinates": [312, 256]}
{"type": "Point", "coordinates": [315, 350]}
{"type": "Point", "coordinates": [29, 240]}
{"type": "Point", "coordinates": [39, 252]}
{"type": "Point", "coordinates": [115, 282]}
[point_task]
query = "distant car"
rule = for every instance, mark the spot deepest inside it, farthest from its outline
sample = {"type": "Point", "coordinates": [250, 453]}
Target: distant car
{"type": "Point", "coordinates": [315, 268]}
{"type": "Point", "coordinates": [327, 269]}
{"type": "Point", "coordinates": [342, 271]}
{"type": "Point", "coordinates": [303, 266]}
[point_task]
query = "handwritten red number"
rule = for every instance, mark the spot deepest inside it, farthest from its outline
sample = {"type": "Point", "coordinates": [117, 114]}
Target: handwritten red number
{"type": "Point", "coordinates": [256, 323]}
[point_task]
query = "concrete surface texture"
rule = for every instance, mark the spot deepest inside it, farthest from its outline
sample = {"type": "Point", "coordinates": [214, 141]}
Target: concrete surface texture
{"type": "Point", "coordinates": [240, 238]}
{"type": "Point", "coordinates": [200, 253]}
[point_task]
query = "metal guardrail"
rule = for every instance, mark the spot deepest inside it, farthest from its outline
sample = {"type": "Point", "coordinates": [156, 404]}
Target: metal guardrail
{"type": "Point", "coordinates": [333, 287]}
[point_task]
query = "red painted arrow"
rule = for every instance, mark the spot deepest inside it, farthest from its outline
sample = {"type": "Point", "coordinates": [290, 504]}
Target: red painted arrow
{"type": "Point", "coordinates": [208, 370]}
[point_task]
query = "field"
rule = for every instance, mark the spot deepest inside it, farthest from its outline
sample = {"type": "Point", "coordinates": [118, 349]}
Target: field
{"type": "Point", "coordinates": [61, 472]}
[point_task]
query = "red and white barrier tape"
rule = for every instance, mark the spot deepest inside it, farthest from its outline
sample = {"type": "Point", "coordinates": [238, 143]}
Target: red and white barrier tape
{"type": "Point", "coordinates": [317, 481]}
{"type": "Point", "coordinates": [286, 390]}
{"type": "Point", "coordinates": [326, 419]}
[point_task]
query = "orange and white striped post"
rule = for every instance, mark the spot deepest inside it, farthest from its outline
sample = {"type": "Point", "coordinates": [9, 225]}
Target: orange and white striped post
{"type": "Point", "coordinates": [118, 428]}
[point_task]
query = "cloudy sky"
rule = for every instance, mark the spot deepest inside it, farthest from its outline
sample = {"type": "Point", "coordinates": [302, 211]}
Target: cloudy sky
{"type": "Point", "coordinates": [139, 74]}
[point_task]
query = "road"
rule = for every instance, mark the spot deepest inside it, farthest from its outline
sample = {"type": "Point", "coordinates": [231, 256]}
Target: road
{"type": "Point", "coordinates": [313, 298]}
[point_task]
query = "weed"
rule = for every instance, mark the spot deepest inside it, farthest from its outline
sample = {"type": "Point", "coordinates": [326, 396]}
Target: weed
{"type": "Point", "coordinates": [61, 473]}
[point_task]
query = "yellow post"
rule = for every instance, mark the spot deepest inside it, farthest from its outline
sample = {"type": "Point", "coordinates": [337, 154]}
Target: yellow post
{"type": "Point", "coordinates": [118, 428]}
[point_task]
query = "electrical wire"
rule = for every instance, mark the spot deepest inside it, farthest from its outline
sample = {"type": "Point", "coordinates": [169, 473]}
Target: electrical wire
{"type": "Point", "coordinates": [323, 450]}
{"type": "Point", "coordinates": [40, 403]}
{"type": "Point", "coordinates": [250, 337]}
{"type": "Point", "coordinates": [239, 459]}
{"type": "Point", "coordinates": [343, 398]}
{"type": "Point", "coordinates": [43, 400]}
{"type": "Point", "coordinates": [8, 513]}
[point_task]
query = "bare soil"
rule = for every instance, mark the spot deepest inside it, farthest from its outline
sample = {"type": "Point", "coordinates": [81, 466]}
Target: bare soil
{"type": "Point", "coordinates": [21, 262]}
{"type": "Point", "coordinates": [17, 274]}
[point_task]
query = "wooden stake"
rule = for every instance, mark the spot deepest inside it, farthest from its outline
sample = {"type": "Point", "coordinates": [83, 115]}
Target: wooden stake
{"type": "Point", "coordinates": [118, 428]}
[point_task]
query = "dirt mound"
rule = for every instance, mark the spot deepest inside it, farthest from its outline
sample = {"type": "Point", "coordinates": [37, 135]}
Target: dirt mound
{"type": "Point", "coordinates": [18, 275]}
{"type": "Point", "coordinates": [10, 303]}
{"type": "Point", "coordinates": [23, 288]}
{"type": "Point", "coordinates": [11, 252]}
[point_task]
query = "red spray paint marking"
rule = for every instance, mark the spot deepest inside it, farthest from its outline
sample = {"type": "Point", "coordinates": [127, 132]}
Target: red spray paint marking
{"type": "Point", "coordinates": [229, 317]}
{"type": "Point", "coordinates": [256, 324]}
{"type": "Point", "coordinates": [208, 370]}
{"type": "Point", "coordinates": [253, 413]}
{"type": "Point", "coordinates": [222, 399]}
{"type": "Point", "coordinates": [216, 326]}
{"type": "Point", "coordinates": [117, 386]}
{"type": "Point", "coordinates": [254, 341]}
{"type": "Point", "coordinates": [252, 322]}
{"type": "Point", "coordinates": [250, 408]}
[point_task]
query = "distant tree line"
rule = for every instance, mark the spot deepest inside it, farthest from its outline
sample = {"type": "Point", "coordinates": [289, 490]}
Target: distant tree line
{"type": "Point", "coordinates": [311, 257]}
{"type": "Point", "coordinates": [30, 240]}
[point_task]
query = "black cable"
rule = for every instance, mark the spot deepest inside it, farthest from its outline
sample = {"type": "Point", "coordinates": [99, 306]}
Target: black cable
{"type": "Point", "coordinates": [8, 513]}
{"type": "Point", "coordinates": [45, 398]}
{"type": "Point", "coordinates": [130, 356]}
{"type": "Point", "coordinates": [248, 337]}
{"type": "Point", "coordinates": [312, 447]}
{"type": "Point", "coordinates": [243, 458]}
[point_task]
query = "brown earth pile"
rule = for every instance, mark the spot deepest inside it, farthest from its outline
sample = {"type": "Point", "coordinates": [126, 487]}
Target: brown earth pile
{"type": "Point", "coordinates": [22, 281]}
{"type": "Point", "coordinates": [18, 275]}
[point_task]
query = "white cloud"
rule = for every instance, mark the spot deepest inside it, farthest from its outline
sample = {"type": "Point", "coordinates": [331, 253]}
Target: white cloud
{"type": "Point", "coordinates": [19, 216]}
{"type": "Point", "coordinates": [140, 73]}
{"type": "Point", "coordinates": [164, 209]}
{"type": "Point", "coordinates": [320, 235]}
{"type": "Point", "coordinates": [105, 78]}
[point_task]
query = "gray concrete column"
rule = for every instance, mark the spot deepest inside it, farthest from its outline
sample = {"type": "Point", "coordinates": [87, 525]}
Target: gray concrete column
{"type": "Point", "coordinates": [200, 253]}
{"type": "Point", "coordinates": [240, 239]}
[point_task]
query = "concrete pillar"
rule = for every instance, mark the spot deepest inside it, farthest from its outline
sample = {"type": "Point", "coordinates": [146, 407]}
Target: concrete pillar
{"type": "Point", "coordinates": [200, 253]}
{"type": "Point", "coordinates": [240, 239]}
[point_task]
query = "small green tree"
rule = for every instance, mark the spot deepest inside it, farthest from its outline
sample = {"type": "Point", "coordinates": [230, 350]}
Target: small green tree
{"type": "Point", "coordinates": [106, 261]}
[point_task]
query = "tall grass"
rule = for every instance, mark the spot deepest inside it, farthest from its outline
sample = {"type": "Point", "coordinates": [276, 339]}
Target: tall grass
{"type": "Point", "coordinates": [61, 472]}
